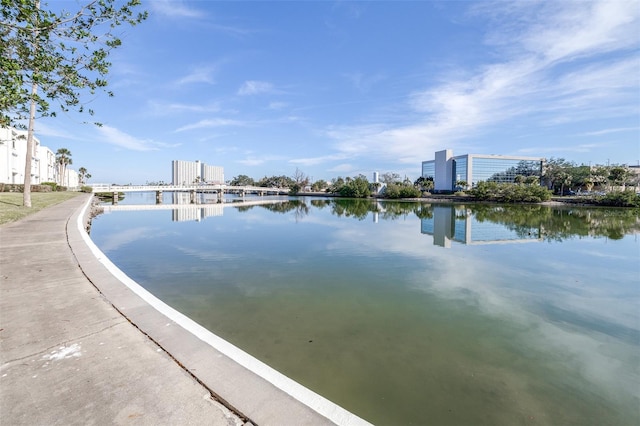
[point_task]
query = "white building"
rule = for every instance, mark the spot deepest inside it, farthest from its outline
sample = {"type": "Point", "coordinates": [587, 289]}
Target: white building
{"type": "Point", "coordinates": [212, 174]}
{"type": "Point", "coordinates": [449, 172]}
{"type": "Point", "coordinates": [48, 168]}
{"type": "Point", "coordinates": [190, 172]}
{"type": "Point", "coordinates": [71, 179]}
{"type": "Point", "coordinates": [13, 158]}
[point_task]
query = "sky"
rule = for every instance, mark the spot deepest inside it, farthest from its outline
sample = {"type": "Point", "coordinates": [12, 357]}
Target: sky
{"type": "Point", "coordinates": [342, 88]}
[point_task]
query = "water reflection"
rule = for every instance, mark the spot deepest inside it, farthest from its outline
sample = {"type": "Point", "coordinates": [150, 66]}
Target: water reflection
{"type": "Point", "coordinates": [353, 300]}
{"type": "Point", "coordinates": [450, 223]}
{"type": "Point", "coordinates": [467, 224]}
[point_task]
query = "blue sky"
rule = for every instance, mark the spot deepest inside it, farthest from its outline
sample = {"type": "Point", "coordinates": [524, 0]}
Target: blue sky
{"type": "Point", "coordinates": [339, 88]}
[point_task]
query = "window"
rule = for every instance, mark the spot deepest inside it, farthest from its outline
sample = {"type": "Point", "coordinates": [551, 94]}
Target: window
{"type": "Point", "coordinates": [503, 170]}
{"type": "Point", "coordinates": [459, 171]}
{"type": "Point", "coordinates": [429, 169]}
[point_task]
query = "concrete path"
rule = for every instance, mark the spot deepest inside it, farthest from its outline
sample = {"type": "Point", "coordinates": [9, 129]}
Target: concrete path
{"type": "Point", "coordinates": [79, 347]}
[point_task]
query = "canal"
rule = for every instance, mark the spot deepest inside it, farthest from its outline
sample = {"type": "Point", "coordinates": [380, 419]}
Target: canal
{"type": "Point", "coordinates": [410, 313]}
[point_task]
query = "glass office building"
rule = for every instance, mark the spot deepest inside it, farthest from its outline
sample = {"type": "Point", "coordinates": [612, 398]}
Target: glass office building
{"type": "Point", "coordinates": [449, 172]}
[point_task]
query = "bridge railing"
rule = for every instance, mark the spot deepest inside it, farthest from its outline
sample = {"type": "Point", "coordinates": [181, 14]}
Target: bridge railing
{"type": "Point", "coordinates": [101, 187]}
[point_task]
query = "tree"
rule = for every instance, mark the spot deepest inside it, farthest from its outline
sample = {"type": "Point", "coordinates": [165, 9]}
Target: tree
{"type": "Point", "coordinates": [275, 182]}
{"type": "Point", "coordinates": [49, 56]}
{"type": "Point", "coordinates": [532, 180]}
{"type": "Point", "coordinates": [336, 185]}
{"type": "Point", "coordinates": [555, 172]}
{"type": "Point", "coordinates": [319, 185]}
{"type": "Point", "coordinates": [63, 159]}
{"type": "Point", "coordinates": [565, 179]}
{"type": "Point", "coordinates": [357, 187]}
{"type": "Point", "coordinates": [462, 185]}
{"type": "Point", "coordinates": [83, 175]}
{"type": "Point", "coordinates": [424, 183]}
{"type": "Point", "coordinates": [300, 181]}
{"type": "Point", "coordinates": [618, 176]}
{"type": "Point", "coordinates": [300, 178]}
{"type": "Point", "coordinates": [242, 180]}
{"type": "Point", "coordinates": [388, 178]}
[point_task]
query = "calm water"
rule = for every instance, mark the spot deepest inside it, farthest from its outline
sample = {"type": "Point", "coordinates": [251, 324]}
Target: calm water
{"type": "Point", "coordinates": [410, 313]}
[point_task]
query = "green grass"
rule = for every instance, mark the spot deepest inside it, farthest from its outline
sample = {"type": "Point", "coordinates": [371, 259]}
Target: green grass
{"type": "Point", "coordinates": [11, 208]}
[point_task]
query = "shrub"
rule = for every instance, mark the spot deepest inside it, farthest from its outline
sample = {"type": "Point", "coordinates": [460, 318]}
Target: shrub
{"type": "Point", "coordinates": [509, 193]}
{"type": "Point", "coordinates": [619, 199]}
{"type": "Point", "coordinates": [40, 188]}
{"type": "Point", "coordinates": [484, 191]}
{"type": "Point", "coordinates": [53, 185]}
{"type": "Point", "coordinates": [86, 188]}
{"type": "Point", "coordinates": [15, 187]}
{"type": "Point", "coordinates": [398, 190]}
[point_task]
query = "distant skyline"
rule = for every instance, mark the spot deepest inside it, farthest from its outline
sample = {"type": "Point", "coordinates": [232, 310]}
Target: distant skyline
{"type": "Point", "coordinates": [348, 87]}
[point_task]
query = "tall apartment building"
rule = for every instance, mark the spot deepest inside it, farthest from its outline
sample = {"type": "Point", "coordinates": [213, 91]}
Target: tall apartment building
{"type": "Point", "coordinates": [213, 174]}
{"type": "Point", "coordinates": [447, 170]}
{"type": "Point", "coordinates": [189, 172]}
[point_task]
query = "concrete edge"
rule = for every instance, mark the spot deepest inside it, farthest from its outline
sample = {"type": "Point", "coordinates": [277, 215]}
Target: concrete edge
{"type": "Point", "coordinates": [245, 384]}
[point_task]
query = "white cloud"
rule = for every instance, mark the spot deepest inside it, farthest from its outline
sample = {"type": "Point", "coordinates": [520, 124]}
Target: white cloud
{"type": "Point", "coordinates": [584, 29]}
{"type": "Point", "coordinates": [542, 77]}
{"type": "Point", "coordinates": [116, 137]}
{"type": "Point", "coordinates": [253, 87]}
{"type": "Point", "coordinates": [277, 105]}
{"type": "Point", "coordinates": [42, 129]}
{"type": "Point", "coordinates": [312, 161]}
{"type": "Point", "coordinates": [163, 108]}
{"type": "Point", "coordinates": [174, 9]}
{"type": "Point", "coordinates": [256, 161]}
{"type": "Point", "coordinates": [614, 130]}
{"type": "Point", "coordinates": [342, 168]}
{"type": "Point", "coordinates": [364, 83]}
{"type": "Point", "coordinates": [198, 75]}
{"type": "Point", "coordinates": [585, 147]}
{"type": "Point", "coordinates": [252, 161]}
{"type": "Point", "coordinates": [210, 123]}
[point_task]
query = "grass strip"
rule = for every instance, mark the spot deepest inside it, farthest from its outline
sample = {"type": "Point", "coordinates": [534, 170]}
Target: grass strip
{"type": "Point", "coordinates": [11, 208]}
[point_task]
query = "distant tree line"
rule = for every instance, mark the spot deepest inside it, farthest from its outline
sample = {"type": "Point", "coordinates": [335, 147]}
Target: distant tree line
{"type": "Point", "coordinates": [351, 186]}
{"type": "Point", "coordinates": [562, 177]}
{"type": "Point", "coordinates": [608, 185]}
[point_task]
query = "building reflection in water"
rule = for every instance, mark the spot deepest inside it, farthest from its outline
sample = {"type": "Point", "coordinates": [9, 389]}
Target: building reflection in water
{"type": "Point", "coordinates": [458, 223]}
{"type": "Point", "coordinates": [197, 212]}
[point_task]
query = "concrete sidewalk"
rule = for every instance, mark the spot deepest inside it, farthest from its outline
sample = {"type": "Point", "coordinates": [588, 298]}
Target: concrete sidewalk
{"type": "Point", "coordinates": [79, 347]}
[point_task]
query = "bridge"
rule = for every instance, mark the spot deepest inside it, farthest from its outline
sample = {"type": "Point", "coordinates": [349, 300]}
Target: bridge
{"type": "Point", "coordinates": [193, 189]}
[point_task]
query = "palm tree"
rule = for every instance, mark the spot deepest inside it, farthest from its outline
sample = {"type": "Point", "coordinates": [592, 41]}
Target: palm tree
{"type": "Point", "coordinates": [83, 175]}
{"type": "Point", "coordinates": [63, 159]}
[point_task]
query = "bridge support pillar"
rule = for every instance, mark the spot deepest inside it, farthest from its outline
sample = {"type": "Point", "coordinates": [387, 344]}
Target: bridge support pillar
{"type": "Point", "coordinates": [242, 193]}
{"type": "Point", "coordinates": [220, 196]}
{"type": "Point", "coordinates": [193, 196]}
{"type": "Point", "coordinates": [115, 198]}
{"type": "Point", "coordinates": [158, 197]}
